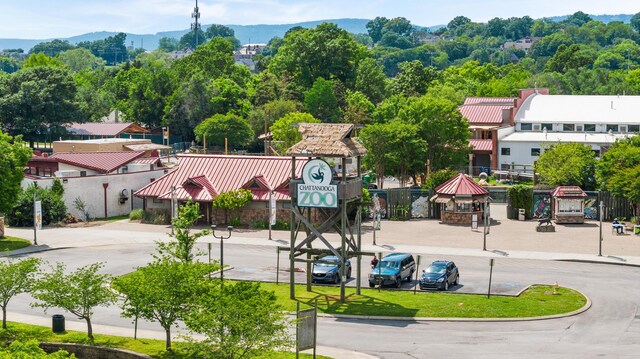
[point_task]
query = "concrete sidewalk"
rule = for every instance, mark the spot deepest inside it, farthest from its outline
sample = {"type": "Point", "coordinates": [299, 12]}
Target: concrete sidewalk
{"type": "Point", "coordinates": [507, 238]}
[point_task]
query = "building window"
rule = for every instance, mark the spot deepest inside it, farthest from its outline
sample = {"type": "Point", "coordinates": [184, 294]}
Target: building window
{"type": "Point", "coordinates": [634, 128]}
{"type": "Point", "coordinates": [535, 152]}
{"type": "Point", "coordinates": [156, 200]}
{"type": "Point", "coordinates": [596, 153]}
{"type": "Point", "coordinates": [568, 127]}
{"type": "Point", "coordinates": [525, 127]}
{"type": "Point", "coordinates": [547, 126]}
{"type": "Point", "coordinates": [570, 205]}
{"type": "Point", "coordinates": [590, 128]}
{"type": "Point", "coordinates": [612, 128]}
{"type": "Point", "coordinates": [505, 151]}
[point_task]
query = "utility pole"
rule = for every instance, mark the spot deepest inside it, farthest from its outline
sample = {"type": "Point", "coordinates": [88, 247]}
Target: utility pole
{"type": "Point", "coordinates": [195, 26]}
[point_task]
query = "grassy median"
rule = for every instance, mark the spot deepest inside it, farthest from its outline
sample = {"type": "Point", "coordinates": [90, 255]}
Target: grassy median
{"type": "Point", "coordinates": [536, 301]}
{"type": "Point", "coordinates": [8, 243]}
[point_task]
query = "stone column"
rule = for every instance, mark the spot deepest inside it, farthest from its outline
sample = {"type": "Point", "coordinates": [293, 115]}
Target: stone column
{"type": "Point", "coordinates": [1, 227]}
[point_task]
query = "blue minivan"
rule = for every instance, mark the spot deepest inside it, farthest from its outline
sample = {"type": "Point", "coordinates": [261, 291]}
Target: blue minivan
{"type": "Point", "coordinates": [392, 270]}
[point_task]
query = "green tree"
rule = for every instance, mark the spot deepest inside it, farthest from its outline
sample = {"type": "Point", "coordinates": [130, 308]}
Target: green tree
{"type": "Point", "coordinates": [112, 49]}
{"type": "Point", "coordinates": [231, 201]}
{"type": "Point", "coordinates": [189, 105]}
{"type": "Point", "coordinates": [235, 129]}
{"type": "Point", "coordinates": [572, 57]}
{"type": "Point", "coordinates": [192, 39]}
{"type": "Point", "coordinates": [565, 164]}
{"type": "Point", "coordinates": [240, 321]}
{"type": "Point", "coordinates": [619, 170]}
{"type": "Point", "coordinates": [39, 100]}
{"type": "Point", "coordinates": [181, 248]}
{"type": "Point", "coordinates": [439, 177]}
{"type": "Point", "coordinates": [40, 59]}
{"type": "Point", "coordinates": [265, 116]}
{"type": "Point", "coordinates": [8, 65]}
{"type": "Point", "coordinates": [52, 48]}
{"type": "Point", "coordinates": [53, 206]}
{"type": "Point", "coordinates": [371, 81]}
{"type": "Point", "coordinates": [375, 26]}
{"type": "Point", "coordinates": [161, 291]}
{"type": "Point", "coordinates": [77, 60]}
{"type": "Point", "coordinates": [229, 97]}
{"type": "Point", "coordinates": [14, 155]}
{"type": "Point", "coordinates": [213, 59]}
{"type": "Point", "coordinates": [321, 101]}
{"type": "Point", "coordinates": [15, 278]}
{"type": "Point", "coordinates": [413, 79]}
{"type": "Point", "coordinates": [285, 134]}
{"type": "Point", "coordinates": [442, 127]}
{"type": "Point", "coordinates": [635, 22]}
{"type": "Point", "coordinates": [359, 108]}
{"type": "Point", "coordinates": [78, 292]}
{"type": "Point", "coordinates": [168, 44]}
{"type": "Point", "coordinates": [335, 55]}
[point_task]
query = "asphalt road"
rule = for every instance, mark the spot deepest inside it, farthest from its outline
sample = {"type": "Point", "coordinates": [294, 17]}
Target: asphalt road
{"type": "Point", "coordinates": [611, 328]}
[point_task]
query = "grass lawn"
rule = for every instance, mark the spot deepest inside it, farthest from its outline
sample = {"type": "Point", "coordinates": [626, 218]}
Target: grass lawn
{"type": "Point", "coordinates": [536, 301]}
{"type": "Point", "coordinates": [10, 243]}
{"type": "Point", "coordinates": [151, 347]}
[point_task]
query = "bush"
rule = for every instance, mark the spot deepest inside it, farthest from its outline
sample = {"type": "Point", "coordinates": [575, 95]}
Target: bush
{"type": "Point", "coordinates": [156, 217]}
{"type": "Point", "coordinates": [260, 224]}
{"type": "Point", "coordinates": [520, 196]}
{"type": "Point", "coordinates": [235, 222]}
{"type": "Point", "coordinates": [438, 177]}
{"type": "Point", "coordinates": [53, 208]}
{"type": "Point", "coordinates": [136, 215]}
{"type": "Point", "coordinates": [281, 225]}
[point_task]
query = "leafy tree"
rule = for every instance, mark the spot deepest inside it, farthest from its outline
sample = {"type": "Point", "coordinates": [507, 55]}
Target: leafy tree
{"type": "Point", "coordinates": [94, 99]}
{"type": "Point", "coordinates": [168, 44]}
{"type": "Point", "coordinates": [265, 116]}
{"type": "Point", "coordinates": [359, 108]}
{"type": "Point", "coordinates": [8, 65]}
{"type": "Point", "coordinates": [458, 22]}
{"type": "Point", "coordinates": [443, 128]}
{"type": "Point", "coordinates": [15, 278]}
{"type": "Point", "coordinates": [269, 87]}
{"type": "Point", "coordinates": [321, 101]}
{"type": "Point", "coordinates": [39, 100]}
{"type": "Point", "coordinates": [439, 177]}
{"type": "Point", "coordinates": [389, 109]}
{"type": "Point", "coordinates": [619, 170]}
{"type": "Point", "coordinates": [189, 105]}
{"type": "Point", "coordinates": [182, 247]}
{"type": "Point", "coordinates": [77, 60]}
{"type": "Point", "coordinates": [229, 97]}
{"type": "Point", "coordinates": [235, 129]}
{"type": "Point", "coordinates": [78, 292]}
{"type": "Point", "coordinates": [635, 22]}
{"type": "Point", "coordinates": [52, 48]}
{"type": "Point", "coordinates": [335, 55]}
{"type": "Point", "coordinates": [371, 81]}
{"type": "Point", "coordinates": [285, 134]}
{"type": "Point", "coordinates": [231, 201]}
{"type": "Point", "coordinates": [413, 79]}
{"type": "Point", "coordinates": [572, 57]}
{"type": "Point", "coordinates": [374, 28]}
{"type": "Point", "coordinates": [192, 39]}
{"type": "Point", "coordinates": [213, 59]}
{"type": "Point", "coordinates": [565, 164]}
{"type": "Point", "coordinates": [398, 25]}
{"type": "Point", "coordinates": [14, 155]}
{"type": "Point", "coordinates": [224, 32]}
{"type": "Point", "coordinates": [392, 39]}
{"type": "Point", "coordinates": [112, 49]}
{"type": "Point", "coordinates": [578, 19]}
{"type": "Point", "coordinates": [240, 321]}
{"type": "Point", "coordinates": [40, 59]}
{"type": "Point", "coordinates": [161, 291]}
{"type": "Point", "coordinates": [53, 207]}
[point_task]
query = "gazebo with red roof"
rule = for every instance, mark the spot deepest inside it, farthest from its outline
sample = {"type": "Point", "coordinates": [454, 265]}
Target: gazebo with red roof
{"type": "Point", "coordinates": [460, 199]}
{"type": "Point", "coordinates": [568, 204]}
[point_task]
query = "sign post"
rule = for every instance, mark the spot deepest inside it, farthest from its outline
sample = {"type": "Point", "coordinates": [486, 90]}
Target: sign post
{"type": "Point", "coordinates": [37, 219]}
{"type": "Point", "coordinates": [306, 328]}
{"type": "Point", "coordinates": [272, 212]}
{"type": "Point", "coordinates": [490, 275]}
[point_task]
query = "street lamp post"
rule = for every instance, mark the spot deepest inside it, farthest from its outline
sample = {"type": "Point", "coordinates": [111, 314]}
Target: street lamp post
{"type": "Point", "coordinates": [221, 238]}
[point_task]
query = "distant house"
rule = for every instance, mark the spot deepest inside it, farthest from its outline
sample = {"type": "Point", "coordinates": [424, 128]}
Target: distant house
{"type": "Point", "coordinates": [522, 44]}
{"type": "Point", "coordinates": [94, 130]}
{"type": "Point", "coordinates": [200, 178]}
{"type": "Point", "coordinates": [109, 145]}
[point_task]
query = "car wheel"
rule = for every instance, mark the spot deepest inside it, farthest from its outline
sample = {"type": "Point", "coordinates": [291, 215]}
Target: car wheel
{"type": "Point", "coordinates": [336, 280]}
{"type": "Point", "coordinates": [349, 273]}
{"type": "Point", "coordinates": [457, 281]}
{"type": "Point", "coordinates": [410, 276]}
{"type": "Point", "coordinates": [398, 282]}
{"type": "Point", "coordinates": [446, 285]}
{"type": "Point", "coordinates": [371, 285]}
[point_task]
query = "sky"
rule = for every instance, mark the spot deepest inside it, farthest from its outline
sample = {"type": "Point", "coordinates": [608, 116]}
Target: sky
{"type": "Point", "coordinates": [44, 19]}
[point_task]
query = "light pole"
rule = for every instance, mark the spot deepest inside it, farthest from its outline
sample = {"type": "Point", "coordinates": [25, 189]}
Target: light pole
{"type": "Point", "coordinates": [221, 238]}
{"type": "Point", "coordinates": [600, 239]}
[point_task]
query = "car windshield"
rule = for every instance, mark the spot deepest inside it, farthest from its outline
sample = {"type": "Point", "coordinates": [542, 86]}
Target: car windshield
{"type": "Point", "coordinates": [387, 264]}
{"type": "Point", "coordinates": [326, 264]}
{"type": "Point", "coordinates": [436, 268]}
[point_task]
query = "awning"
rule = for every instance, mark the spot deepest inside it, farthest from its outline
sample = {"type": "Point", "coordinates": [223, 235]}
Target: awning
{"type": "Point", "coordinates": [483, 127]}
{"type": "Point", "coordinates": [437, 199]}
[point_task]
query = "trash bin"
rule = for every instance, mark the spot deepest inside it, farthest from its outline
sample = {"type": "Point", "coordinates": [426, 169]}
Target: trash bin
{"type": "Point", "coordinates": [57, 323]}
{"type": "Point", "coordinates": [521, 214]}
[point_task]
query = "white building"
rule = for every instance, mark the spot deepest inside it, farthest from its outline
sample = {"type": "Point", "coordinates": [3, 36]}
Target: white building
{"type": "Point", "coordinates": [541, 120]}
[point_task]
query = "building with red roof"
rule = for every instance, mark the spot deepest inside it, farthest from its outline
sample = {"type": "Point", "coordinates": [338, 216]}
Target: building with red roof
{"type": "Point", "coordinates": [568, 204]}
{"type": "Point", "coordinates": [460, 199]}
{"type": "Point", "coordinates": [200, 178]}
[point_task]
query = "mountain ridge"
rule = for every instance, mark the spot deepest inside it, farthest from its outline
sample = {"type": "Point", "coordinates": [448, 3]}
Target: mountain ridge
{"type": "Point", "coordinates": [259, 33]}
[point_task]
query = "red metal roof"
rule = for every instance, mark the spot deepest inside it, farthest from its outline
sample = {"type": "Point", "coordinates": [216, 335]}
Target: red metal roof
{"type": "Point", "coordinates": [103, 162]}
{"type": "Point", "coordinates": [568, 191]}
{"type": "Point", "coordinates": [483, 114]}
{"type": "Point", "coordinates": [104, 129]}
{"type": "Point", "coordinates": [149, 161]}
{"type": "Point", "coordinates": [489, 101]}
{"type": "Point", "coordinates": [482, 145]}
{"type": "Point", "coordinates": [226, 173]}
{"type": "Point", "coordinates": [461, 185]}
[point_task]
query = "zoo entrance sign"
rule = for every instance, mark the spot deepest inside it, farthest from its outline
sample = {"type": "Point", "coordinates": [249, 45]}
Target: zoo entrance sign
{"type": "Point", "coordinates": [316, 189]}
